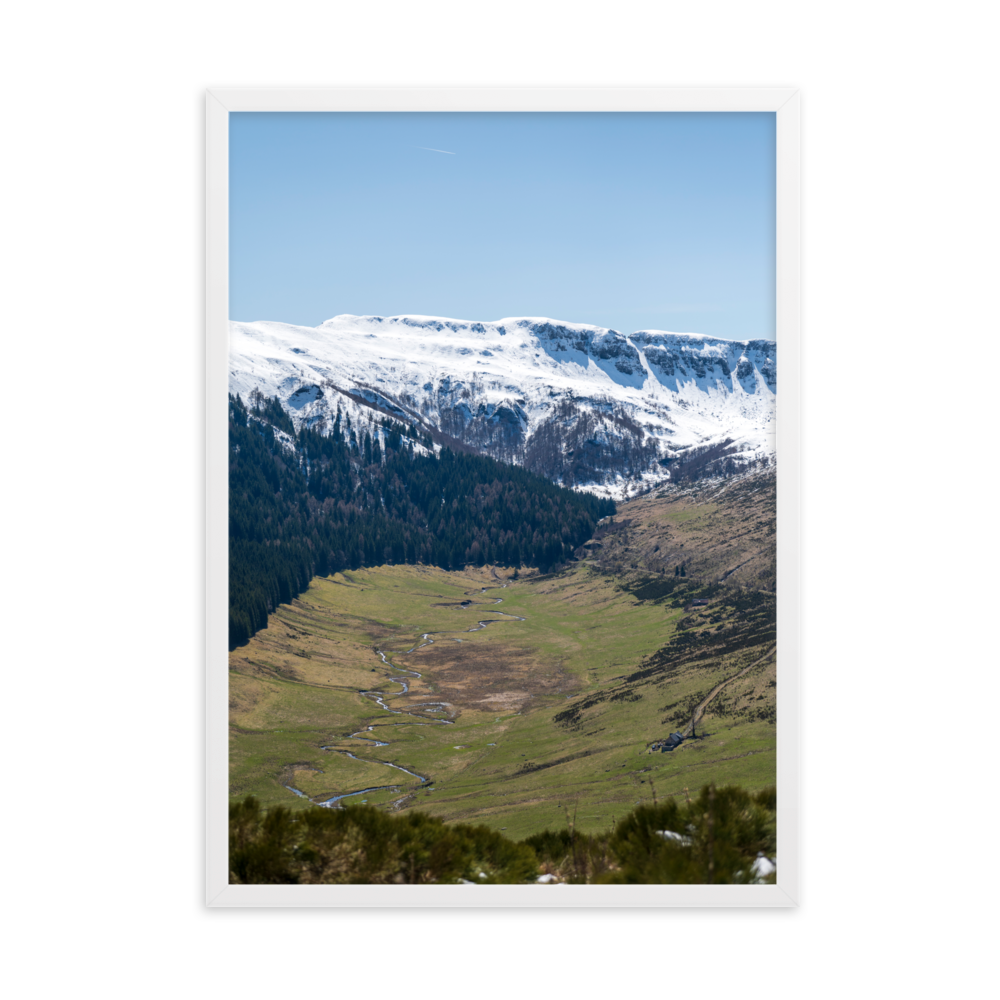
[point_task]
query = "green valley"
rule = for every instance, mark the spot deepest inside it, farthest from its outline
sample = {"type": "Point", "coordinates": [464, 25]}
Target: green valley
{"type": "Point", "coordinates": [383, 681]}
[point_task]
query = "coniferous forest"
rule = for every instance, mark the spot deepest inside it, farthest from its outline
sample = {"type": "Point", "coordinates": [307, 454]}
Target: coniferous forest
{"type": "Point", "coordinates": [304, 504]}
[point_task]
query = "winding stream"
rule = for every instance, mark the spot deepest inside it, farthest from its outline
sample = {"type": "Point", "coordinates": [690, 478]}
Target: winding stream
{"type": "Point", "coordinates": [379, 697]}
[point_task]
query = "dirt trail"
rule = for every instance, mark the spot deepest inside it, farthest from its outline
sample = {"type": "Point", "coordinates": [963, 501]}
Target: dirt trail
{"type": "Point", "coordinates": [701, 706]}
{"type": "Point", "coordinates": [729, 572]}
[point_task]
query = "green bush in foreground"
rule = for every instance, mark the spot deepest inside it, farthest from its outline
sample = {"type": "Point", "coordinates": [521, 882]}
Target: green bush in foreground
{"type": "Point", "coordinates": [714, 838]}
{"type": "Point", "coordinates": [362, 844]}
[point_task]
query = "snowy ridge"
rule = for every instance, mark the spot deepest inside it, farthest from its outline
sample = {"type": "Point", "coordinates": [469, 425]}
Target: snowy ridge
{"type": "Point", "coordinates": [584, 405]}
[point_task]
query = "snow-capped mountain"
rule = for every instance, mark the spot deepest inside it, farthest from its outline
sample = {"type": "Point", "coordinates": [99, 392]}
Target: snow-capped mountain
{"type": "Point", "coordinates": [583, 405]}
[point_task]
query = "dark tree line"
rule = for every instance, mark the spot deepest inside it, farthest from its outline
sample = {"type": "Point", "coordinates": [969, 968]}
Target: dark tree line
{"type": "Point", "coordinates": [581, 446]}
{"type": "Point", "coordinates": [305, 504]}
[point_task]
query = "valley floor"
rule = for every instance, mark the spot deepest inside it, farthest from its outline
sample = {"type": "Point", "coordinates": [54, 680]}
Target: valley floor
{"type": "Point", "coordinates": [383, 681]}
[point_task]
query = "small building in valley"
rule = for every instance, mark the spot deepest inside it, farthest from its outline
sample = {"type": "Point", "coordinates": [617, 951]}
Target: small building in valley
{"type": "Point", "coordinates": [671, 742]}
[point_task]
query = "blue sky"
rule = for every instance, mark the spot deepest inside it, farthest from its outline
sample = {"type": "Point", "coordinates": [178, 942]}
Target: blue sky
{"type": "Point", "coordinates": [631, 221]}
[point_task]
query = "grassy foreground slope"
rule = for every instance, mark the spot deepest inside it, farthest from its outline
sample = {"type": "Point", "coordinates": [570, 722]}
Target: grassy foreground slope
{"type": "Point", "coordinates": [521, 722]}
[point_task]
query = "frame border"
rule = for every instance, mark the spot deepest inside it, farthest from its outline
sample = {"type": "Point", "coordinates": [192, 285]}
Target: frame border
{"type": "Point", "coordinates": [784, 902]}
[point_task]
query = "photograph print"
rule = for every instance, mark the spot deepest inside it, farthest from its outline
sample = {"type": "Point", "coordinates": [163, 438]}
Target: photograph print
{"type": "Point", "coordinates": [502, 498]}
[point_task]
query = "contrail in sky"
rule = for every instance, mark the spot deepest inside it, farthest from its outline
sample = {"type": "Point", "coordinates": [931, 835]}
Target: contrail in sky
{"type": "Point", "coordinates": [431, 150]}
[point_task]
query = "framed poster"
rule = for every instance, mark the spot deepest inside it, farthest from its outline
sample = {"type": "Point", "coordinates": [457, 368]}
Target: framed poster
{"type": "Point", "coordinates": [612, 113]}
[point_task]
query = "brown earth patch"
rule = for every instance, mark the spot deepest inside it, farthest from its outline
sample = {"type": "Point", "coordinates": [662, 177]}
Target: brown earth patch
{"type": "Point", "coordinates": [489, 676]}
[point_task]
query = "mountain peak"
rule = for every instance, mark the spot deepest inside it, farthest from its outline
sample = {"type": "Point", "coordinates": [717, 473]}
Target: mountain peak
{"type": "Point", "coordinates": [583, 404]}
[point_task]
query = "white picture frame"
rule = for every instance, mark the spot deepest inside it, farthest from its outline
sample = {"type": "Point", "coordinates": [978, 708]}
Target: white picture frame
{"type": "Point", "coordinates": [785, 103]}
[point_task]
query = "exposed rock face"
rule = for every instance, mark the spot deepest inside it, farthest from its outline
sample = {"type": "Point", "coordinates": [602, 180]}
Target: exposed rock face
{"type": "Point", "coordinates": [677, 359]}
{"type": "Point", "coordinates": [624, 355]}
{"type": "Point", "coordinates": [304, 396]}
{"type": "Point", "coordinates": [765, 356]}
